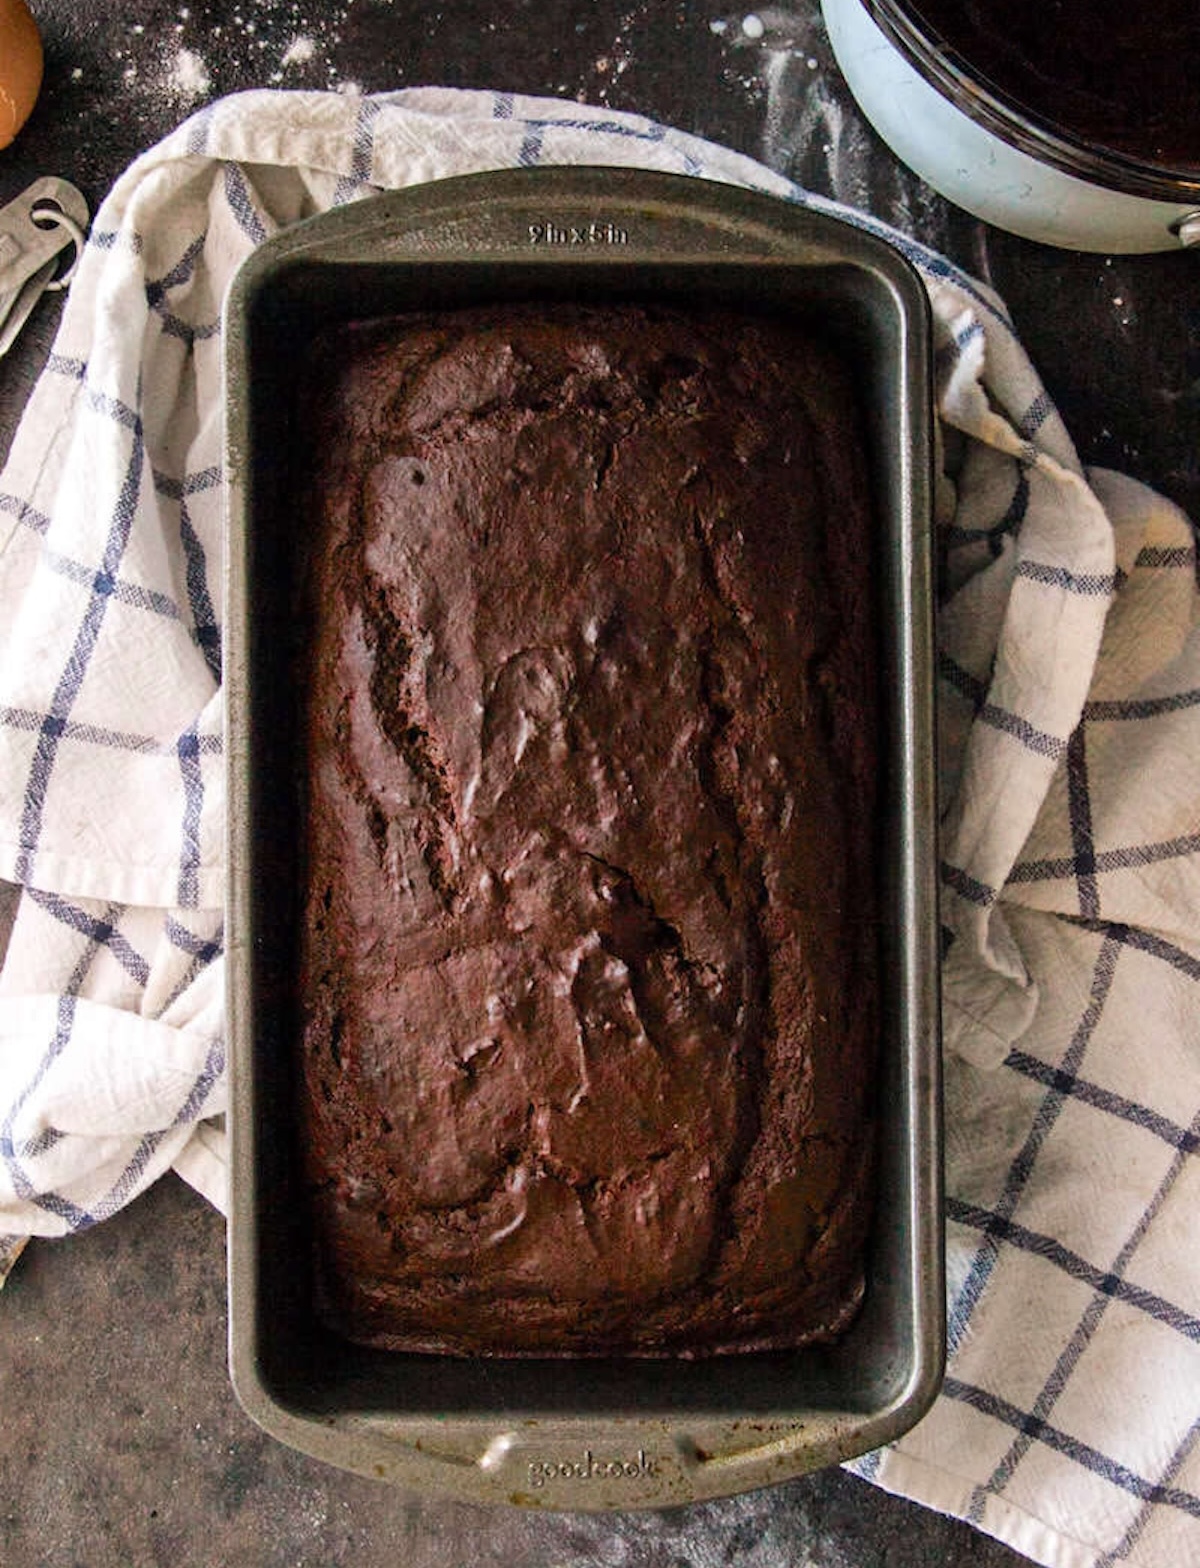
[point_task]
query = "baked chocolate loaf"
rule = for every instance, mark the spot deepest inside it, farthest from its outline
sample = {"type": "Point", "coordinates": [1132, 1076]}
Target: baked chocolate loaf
{"type": "Point", "coordinates": [588, 974]}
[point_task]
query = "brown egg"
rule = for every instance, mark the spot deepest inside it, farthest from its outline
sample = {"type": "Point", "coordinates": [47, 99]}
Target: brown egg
{"type": "Point", "coordinates": [20, 67]}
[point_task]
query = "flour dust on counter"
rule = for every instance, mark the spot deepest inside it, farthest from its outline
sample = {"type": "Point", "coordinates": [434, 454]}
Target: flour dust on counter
{"type": "Point", "coordinates": [810, 129]}
{"type": "Point", "coordinates": [612, 65]}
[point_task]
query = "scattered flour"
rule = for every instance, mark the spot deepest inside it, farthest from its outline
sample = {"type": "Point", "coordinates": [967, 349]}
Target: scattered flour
{"type": "Point", "coordinates": [299, 52]}
{"type": "Point", "coordinates": [611, 66]}
{"type": "Point", "coordinates": [189, 76]}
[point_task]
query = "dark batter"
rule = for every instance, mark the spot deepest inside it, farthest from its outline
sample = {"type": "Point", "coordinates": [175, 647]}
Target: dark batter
{"type": "Point", "coordinates": [1109, 75]}
{"type": "Point", "coordinates": [589, 959]}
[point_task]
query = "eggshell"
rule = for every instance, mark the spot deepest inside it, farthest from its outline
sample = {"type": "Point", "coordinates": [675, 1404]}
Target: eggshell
{"type": "Point", "coordinates": [20, 67]}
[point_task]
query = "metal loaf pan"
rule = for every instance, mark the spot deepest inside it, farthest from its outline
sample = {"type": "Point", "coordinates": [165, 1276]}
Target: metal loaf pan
{"type": "Point", "coordinates": [585, 1433]}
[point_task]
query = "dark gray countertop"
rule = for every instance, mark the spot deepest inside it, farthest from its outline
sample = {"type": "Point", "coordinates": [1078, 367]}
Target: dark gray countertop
{"type": "Point", "coordinates": [121, 1443]}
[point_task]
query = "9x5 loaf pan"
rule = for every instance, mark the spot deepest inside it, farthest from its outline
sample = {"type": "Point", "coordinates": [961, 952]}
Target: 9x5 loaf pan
{"type": "Point", "coordinates": [590, 1433]}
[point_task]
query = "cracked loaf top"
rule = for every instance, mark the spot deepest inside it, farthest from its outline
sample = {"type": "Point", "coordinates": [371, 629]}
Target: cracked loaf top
{"type": "Point", "coordinates": [588, 955]}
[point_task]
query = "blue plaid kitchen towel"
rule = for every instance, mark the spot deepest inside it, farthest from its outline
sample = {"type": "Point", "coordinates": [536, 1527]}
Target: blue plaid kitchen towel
{"type": "Point", "coordinates": [1070, 697]}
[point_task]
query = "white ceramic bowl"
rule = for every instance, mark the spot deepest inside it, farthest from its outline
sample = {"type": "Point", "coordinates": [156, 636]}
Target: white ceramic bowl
{"type": "Point", "coordinates": [974, 165]}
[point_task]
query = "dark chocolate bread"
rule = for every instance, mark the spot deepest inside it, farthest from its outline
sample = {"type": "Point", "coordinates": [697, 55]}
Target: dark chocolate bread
{"type": "Point", "coordinates": [588, 972]}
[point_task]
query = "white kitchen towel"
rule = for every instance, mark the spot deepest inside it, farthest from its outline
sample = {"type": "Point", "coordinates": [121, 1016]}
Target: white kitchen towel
{"type": "Point", "coordinates": [1069, 683]}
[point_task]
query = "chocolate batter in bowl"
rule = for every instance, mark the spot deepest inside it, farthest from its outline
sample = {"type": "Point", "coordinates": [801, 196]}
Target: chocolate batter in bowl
{"type": "Point", "coordinates": [1070, 123]}
{"type": "Point", "coordinates": [1117, 81]}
